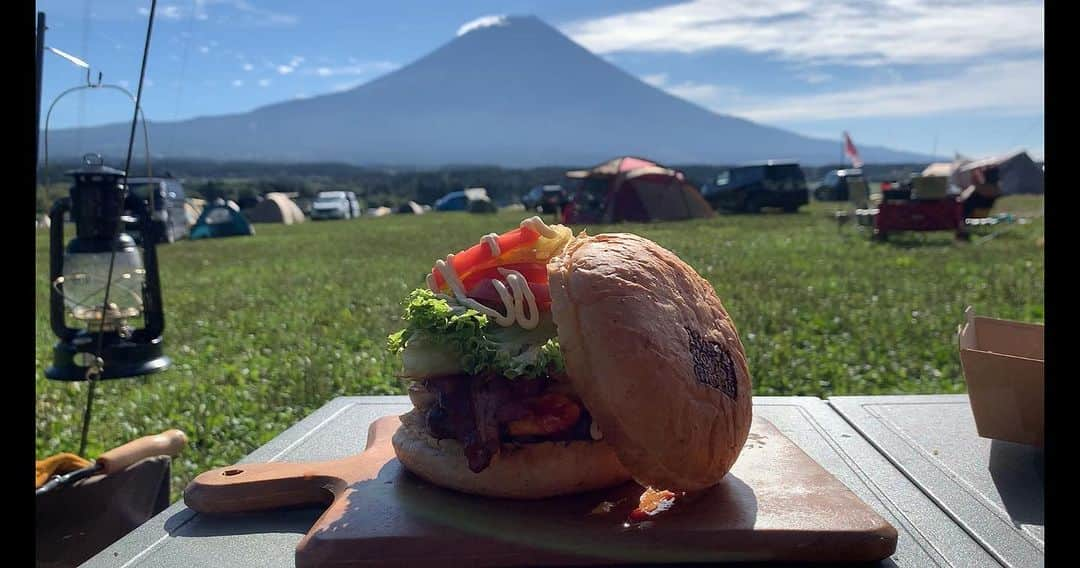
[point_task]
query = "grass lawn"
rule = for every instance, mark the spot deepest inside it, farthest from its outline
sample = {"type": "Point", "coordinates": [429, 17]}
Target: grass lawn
{"type": "Point", "coordinates": [263, 330]}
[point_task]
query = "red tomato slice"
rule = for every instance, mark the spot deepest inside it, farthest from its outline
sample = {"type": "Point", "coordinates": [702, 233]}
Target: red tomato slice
{"type": "Point", "coordinates": [478, 253]}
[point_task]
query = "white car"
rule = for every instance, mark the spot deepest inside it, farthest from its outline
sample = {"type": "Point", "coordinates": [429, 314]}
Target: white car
{"type": "Point", "coordinates": [335, 205]}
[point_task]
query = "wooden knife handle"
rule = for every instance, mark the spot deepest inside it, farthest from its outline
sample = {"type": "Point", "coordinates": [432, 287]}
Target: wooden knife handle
{"type": "Point", "coordinates": [168, 443]}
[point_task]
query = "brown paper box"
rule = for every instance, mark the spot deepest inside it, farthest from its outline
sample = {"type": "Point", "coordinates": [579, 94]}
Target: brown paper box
{"type": "Point", "coordinates": [1003, 367]}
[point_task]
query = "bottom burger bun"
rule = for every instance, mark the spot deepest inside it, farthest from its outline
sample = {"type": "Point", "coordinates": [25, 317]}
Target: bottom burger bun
{"type": "Point", "coordinates": [519, 471]}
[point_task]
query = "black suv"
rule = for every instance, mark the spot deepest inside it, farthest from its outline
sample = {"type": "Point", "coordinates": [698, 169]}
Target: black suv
{"type": "Point", "coordinates": [751, 187]}
{"type": "Point", "coordinates": [841, 185]}
{"type": "Point", "coordinates": [166, 196]}
{"type": "Point", "coordinates": [545, 199]}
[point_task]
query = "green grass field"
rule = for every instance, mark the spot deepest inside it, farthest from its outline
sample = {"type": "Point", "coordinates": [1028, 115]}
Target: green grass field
{"type": "Point", "coordinates": [264, 330]}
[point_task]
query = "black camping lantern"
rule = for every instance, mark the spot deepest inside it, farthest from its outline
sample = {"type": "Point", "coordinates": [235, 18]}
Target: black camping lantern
{"type": "Point", "coordinates": [103, 263]}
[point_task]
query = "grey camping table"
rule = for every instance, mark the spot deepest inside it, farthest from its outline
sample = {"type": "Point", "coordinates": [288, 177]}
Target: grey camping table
{"type": "Point", "coordinates": [929, 535]}
{"type": "Point", "coordinates": [992, 489]}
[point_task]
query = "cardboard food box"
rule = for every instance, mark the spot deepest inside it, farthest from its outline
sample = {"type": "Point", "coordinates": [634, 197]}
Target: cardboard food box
{"type": "Point", "coordinates": [1003, 367]}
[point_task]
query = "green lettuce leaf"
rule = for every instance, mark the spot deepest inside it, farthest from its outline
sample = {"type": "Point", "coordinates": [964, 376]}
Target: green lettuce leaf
{"type": "Point", "coordinates": [443, 337]}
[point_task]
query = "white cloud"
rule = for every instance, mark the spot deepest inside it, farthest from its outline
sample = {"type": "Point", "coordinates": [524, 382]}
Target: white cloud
{"type": "Point", "coordinates": [248, 67]}
{"type": "Point", "coordinates": [346, 86]}
{"type": "Point", "coordinates": [264, 82]}
{"type": "Point", "coordinates": [716, 97]}
{"type": "Point", "coordinates": [300, 96]}
{"type": "Point", "coordinates": [238, 83]}
{"type": "Point", "coordinates": [847, 31]}
{"type": "Point", "coordinates": [364, 68]}
{"type": "Point", "coordinates": [814, 77]}
{"type": "Point", "coordinates": [656, 80]}
{"type": "Point", "coordinates": [1013, 87]}
{"type": "Point", "coordinates": [170, 12]}
{"type": "Point", "coordinates": [291, 66]}
{"type": "Point", "coordinates": [482, 22]}
{"type": "Point", "coordinates": [252, 15]}
{"type": "Point", "coordinates": [203, 49]}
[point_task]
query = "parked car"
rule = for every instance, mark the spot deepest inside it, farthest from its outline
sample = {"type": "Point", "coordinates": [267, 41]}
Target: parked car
{"type": "Point", "coordinates": [749, 188]}
{"type": "Point", "coordinates": [545, 199]}
{"type": "Point", "coordinates": [335, 205]}
{"type": "Point", "coordinates": [838, 185]}
{"type": "Point", "coordinates": [167, 211]}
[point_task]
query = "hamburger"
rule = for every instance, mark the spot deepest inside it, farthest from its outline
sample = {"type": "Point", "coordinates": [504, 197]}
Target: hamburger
{"type": "Point", "coordinates": [541, 363]}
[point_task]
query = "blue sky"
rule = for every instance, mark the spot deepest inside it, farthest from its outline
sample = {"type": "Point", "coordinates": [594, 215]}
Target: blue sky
{"type": "Point", "coordinates": [920, 75]}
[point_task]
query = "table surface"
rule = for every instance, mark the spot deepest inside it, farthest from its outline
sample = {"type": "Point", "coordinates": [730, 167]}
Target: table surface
{"type": "Point", "coordinates": [955, 499]}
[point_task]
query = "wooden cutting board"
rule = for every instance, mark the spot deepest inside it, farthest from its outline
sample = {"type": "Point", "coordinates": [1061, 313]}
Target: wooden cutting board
{"type": "Point", "coordinates": [776, 504]}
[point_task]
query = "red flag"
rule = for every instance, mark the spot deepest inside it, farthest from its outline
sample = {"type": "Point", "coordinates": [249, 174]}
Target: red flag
{"type": "Point", "coordinates": [851, 152]}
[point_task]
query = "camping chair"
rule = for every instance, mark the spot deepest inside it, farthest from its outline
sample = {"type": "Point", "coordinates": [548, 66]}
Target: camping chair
{"type": "Point", "coordinates": [75, 521]}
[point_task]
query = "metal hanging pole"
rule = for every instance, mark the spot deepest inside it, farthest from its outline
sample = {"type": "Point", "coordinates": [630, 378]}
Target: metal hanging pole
{"type": "Point", "coordinates": [94, 372]}
{"type": "Point", "coordinates": [40, 55]}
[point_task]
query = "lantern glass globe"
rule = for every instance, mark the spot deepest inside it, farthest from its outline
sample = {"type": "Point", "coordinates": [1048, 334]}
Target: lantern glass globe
{"type": "Point", "coordinates": [85, 279]}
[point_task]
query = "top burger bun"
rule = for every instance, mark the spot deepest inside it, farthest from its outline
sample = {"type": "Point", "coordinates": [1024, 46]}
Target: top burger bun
{"type": "Point", "coordinates": [655, 358]}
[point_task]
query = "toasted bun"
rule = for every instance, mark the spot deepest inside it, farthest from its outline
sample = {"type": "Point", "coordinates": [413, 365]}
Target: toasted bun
{"type": "Point", "coordinates": [655, 358]}
{"type": "Point", "coordinates": [526, 471]}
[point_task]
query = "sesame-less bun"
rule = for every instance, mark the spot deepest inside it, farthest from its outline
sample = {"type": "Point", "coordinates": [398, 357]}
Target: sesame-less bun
{"type": "Point", "coordinates": [655, 358]}
{"type": "Point", "coordinates": [525, 471]}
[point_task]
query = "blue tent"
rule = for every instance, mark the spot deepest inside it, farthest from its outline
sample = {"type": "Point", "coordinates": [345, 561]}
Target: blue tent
{"type": "Point", "coordinates": [221, 219]}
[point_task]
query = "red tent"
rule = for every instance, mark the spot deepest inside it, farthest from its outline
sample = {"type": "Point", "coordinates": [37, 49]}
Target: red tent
{"type": "Point", "coordinates": [633, 189]}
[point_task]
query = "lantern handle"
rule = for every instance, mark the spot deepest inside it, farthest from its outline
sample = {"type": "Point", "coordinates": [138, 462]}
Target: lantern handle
{"type": "Point", "coordinates": [153, 317]}
{"type": "Point", "coordinates": [99, 85]}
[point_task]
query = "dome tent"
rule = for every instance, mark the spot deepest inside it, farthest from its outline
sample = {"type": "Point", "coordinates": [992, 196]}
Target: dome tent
{"type": "Point", "coordinates": [221, 219]}
{"type": "Point", "coordinates": [275, 208]}
{"type": "Point", "coordinates": [633, 189]}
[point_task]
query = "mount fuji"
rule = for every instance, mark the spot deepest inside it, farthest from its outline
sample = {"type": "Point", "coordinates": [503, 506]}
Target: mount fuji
{"type": "Point", "coordinates": [514, 93]}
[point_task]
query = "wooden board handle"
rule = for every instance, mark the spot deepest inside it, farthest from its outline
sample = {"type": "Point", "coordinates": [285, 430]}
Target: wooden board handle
{"type": "Point", "coordinates": [261, 486]}
{"type": "Point", "coordinates": [168, 443]}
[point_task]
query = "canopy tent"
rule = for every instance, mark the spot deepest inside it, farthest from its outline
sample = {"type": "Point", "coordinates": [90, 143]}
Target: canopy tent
{"type": "Point", "coordinates": [629, 188]}
{"type": "Point", "coordinates": [221, 219]}
{"type": "Point", "coordinates": [275, 208]}
{"type": "Point", "coordinates": [1016, 173]}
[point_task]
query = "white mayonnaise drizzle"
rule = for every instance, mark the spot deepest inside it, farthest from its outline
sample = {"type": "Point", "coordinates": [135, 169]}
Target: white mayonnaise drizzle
{"type": "Point", "coordinates": [523, 298]}
{"type": "Point", "coordinates": [538, 225]}
{"type": "Point", "coordinates": [491, 241]}
{"type": "Point", "coordinates": [446, 268]}
{"type": "Point", "coordinates": [516, 296]}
